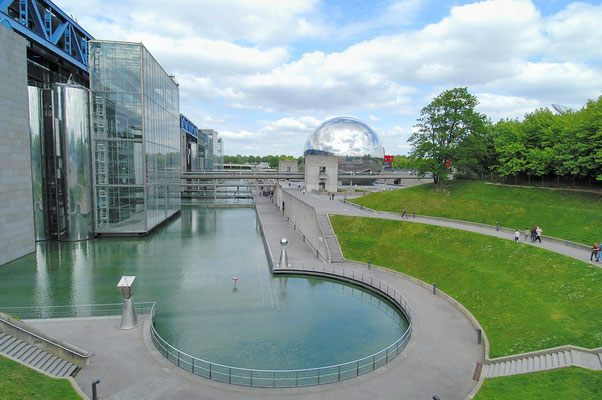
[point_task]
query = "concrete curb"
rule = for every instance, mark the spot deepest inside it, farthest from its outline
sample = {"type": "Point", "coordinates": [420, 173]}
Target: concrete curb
{"type": "Point", "coordinates": [450, 300]}
{"type": "Point", "coordinates": [552, 239]}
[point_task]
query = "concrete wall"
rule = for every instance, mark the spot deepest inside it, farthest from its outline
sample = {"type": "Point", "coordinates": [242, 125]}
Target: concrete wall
{"type": "Point", "coordinates": [313, 176]}
{"type": "Point", "coordinates": [16, 204]}
{"type": "Point", "coordinates": [304, 218]}
{"type": "Point", "coordinates": [288, 166]}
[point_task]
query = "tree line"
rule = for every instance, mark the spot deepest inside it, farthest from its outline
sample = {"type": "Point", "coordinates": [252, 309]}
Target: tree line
{"type": "Point", "coordinates": [451, 136]}
{"type": "Point", "coordinates": [273, 160]}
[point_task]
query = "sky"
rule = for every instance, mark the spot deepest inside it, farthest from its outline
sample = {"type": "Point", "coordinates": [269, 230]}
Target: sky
{"type": "Point", "coordinates": [266, 73]}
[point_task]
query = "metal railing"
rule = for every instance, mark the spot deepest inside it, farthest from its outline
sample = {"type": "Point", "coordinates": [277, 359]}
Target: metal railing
{"type": "Point", "coordinates": [298, 377]}
{"type": "Point", "coordinates": [74, 311]}
{"type": "Point", "coordinates": [50, 342]}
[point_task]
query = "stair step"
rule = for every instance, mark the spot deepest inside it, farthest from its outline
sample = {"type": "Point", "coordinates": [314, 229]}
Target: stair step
{"type": "Point", "coordinates": [8, 349]}
{"type": "Point", "coordinates": [3, 337]}
{"type": "Point", "coordinates": [64, 367]}
{"type": "Point", "coordinates": [8, 343]}
{"type": "Point", "coordinates": [49, 367]}
{"type": "Point", "coordinates": [32, 356]}
{"type": "Point", "coordinates": [496, 369]}
{"type": "Point", "coordinates": [70, 370]}
{"type": "Point", "coordinates": [555, 359]}
{"type": "Point", "coordinates": [549, 361]}
{"type": "Point", "coordinates": [530, 364]}
{"type": "Point", "coordinates": [568, 357]}
{"type": "Point", "coordinates": [44, 366]}
{"type": "Point", "coordinates": [57, 367]}
{"type": "Point", "coordinates": [16, 349]}
{"type": "Point", "coordinates": [41, 360]}
{"type": "Point", "coordinates": [28, 351]}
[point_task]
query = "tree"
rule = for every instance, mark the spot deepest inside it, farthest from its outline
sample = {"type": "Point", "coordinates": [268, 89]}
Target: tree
{"type": "Point", "coordinates": [442, 127]}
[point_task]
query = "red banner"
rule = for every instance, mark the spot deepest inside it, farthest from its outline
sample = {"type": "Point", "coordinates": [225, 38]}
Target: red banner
{"type": "Point", "coordinates": [388, 158]}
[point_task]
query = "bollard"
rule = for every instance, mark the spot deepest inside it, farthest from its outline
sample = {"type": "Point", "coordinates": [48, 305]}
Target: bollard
{"type": "Point", "coordinates": [368, 264]}
{"type": "Point", "coordinates": [317, 253]}
{"type": "Point", "coordinates": [434, 288]}
{"type": "Point", "coordinates": [303, 238]}
{"type": "Point", "coordinates": [497, 226]}
{"type": "Point", "coordinates": [479, 335]}
{"type": "Point", "coordinates": [361, 206]}
{"type": "Point", "coordinates": [94, 395]}
{"type": "Point", "coordinates": [414, 213]}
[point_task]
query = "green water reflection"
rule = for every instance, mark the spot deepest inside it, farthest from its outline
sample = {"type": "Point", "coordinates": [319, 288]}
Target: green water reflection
{"type": "Point", "coordinates": [268, 322]}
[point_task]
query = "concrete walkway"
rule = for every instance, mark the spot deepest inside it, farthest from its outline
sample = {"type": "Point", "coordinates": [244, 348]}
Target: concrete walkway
{"type": "Point", "coordinates": [337, 206]}
{"type": "Point", "coordinates": [439, 359]}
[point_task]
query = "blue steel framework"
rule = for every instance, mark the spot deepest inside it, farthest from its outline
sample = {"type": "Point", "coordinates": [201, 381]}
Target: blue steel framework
{"type": "Point", "coordinates": [44, 23]}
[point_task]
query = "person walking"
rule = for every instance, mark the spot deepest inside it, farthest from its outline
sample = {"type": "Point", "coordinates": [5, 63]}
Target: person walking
{"type": "Point", "coordinates": [533, 233]}
{"type": "Point", "coordinates": [595, 253]}
{"type": "Point", "coordinates": [538, 232]}
{"type": "Point", "coordinates": [516, 236]}
{"type": "Point", "coordinates": [526, 235]}
{"type": "Point", "coordinates": [404, 213]}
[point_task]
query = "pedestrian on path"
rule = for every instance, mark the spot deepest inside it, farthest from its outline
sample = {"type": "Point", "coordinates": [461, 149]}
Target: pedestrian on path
{"type": "Point", "coordinates": [404, 213]}
{"type": "Point", "coordinates": [526, 235]}
{"type": "Point", "coordinates": [538, 232]}
{"type": "Point", "coordinates": [533, 233]}
{"type": "Point", "coordinates": [595, 253]}
{"type": "Point", "coordinates": [516, 236]}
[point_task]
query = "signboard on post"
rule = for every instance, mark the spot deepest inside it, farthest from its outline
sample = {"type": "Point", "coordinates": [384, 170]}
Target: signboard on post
{"type": "Point", "coordinates": [388, 162]}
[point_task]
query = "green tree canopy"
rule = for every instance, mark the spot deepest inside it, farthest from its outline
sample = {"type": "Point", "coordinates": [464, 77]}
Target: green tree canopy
{"type": "Point", "coordinates": [444, 132]}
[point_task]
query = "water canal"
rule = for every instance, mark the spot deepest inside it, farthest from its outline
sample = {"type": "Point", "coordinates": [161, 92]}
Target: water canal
{"type": "Point", "coordinates": [267, 322]}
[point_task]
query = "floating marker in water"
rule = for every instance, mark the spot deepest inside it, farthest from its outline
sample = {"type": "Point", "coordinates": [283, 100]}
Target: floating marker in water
{"type": "Point", "coordinates": [235, 279]}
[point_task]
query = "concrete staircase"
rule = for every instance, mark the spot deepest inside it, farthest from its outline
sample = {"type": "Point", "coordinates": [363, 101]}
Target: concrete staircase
{"type": "Point", "coordinates": [543, 360]}
{"type": "Point", "coordinates": [34, 357]}
{"type": "Point", "coordinates": [331, 241]}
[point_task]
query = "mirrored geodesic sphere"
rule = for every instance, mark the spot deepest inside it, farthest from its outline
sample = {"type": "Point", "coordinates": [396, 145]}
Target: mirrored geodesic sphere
{"type": "Point", "coordinates": [355, 143]}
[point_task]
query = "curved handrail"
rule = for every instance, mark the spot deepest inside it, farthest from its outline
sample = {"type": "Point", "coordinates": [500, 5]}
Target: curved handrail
{"type": "Point", "coordinates": [285, 378]}
{"type": "Point", "coordinates": [46, 340]}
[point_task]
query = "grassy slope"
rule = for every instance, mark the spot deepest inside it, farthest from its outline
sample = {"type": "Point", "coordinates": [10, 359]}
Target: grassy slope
{"type": "Point", "coordinates": [526, 298]}
{"type": "Point", "coordinates": [574, 216]}
{"type": "Point", "coordinates": [20, 382]}
{"type": "Point", "coordinates": [560, 384]}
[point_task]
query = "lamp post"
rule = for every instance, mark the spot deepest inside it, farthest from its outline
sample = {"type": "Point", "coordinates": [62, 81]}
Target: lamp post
{"type": "Point", "coordinates": [283, 263]}
{"type": "Point", "coordinates": [129, 319]}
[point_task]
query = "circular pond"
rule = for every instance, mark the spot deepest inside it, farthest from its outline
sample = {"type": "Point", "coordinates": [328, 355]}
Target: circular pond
{"type": "Point", "coordinates": [267, 322]}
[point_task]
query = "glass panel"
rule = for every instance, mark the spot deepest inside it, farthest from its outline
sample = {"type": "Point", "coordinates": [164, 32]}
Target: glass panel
{"type": "Point", "coordinates": [128, 88]}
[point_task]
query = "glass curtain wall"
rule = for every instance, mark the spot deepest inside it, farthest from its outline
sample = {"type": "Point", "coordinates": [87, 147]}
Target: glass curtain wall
{"type": "Point", "coordinates": [135, 135]}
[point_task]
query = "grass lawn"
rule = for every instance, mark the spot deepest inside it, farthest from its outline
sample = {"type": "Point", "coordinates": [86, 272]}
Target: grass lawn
{"type": "Point", "coordinates": [564, 214]}
{"type": "Point", "coordinates": [526, 298]}
{"type": "Point", "coordinates": [559, 384]}
{"type": "Point", "coordinates": [19, 382]}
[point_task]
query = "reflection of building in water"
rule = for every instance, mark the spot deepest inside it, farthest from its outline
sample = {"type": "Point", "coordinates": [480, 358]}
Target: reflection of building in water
{"type": "Point", "coordinates": [135, 138]}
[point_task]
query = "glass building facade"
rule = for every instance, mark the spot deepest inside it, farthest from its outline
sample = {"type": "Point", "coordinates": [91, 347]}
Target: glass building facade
{"type": "Point", "coordinates": [135, 138]}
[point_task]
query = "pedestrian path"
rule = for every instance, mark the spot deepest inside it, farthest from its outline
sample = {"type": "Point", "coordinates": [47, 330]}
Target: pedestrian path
{"type": "Point", "coordinates": [543, 360]}
{"type": "Point", "coordinates": [323, 205]}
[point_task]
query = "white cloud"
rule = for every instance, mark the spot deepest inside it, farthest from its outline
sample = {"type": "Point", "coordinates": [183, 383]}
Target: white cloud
{"type": "Point", "coordinates": [498, 106]}
{"type": "Point", "coordinates": [575, 33]}
{"type": "Point", "coordinates": [264, 22]}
